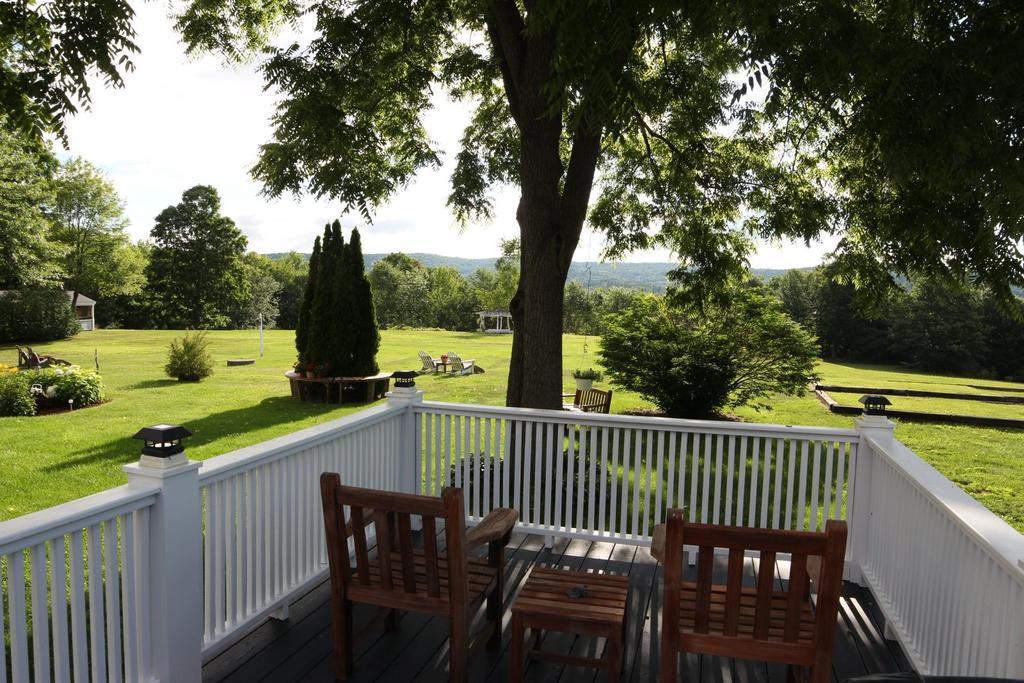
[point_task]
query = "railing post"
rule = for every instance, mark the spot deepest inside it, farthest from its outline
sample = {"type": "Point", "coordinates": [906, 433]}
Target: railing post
{"type": "Point", "coordinates": [406, 395]}
{"type": "Point", "coordinates": [175, 579]}
{"type": "Point", "coordinates": [879, 428]}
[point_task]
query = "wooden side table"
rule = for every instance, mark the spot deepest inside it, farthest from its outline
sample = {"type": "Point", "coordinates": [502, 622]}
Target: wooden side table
{"type": "Point", "coordinates": [544, 603]}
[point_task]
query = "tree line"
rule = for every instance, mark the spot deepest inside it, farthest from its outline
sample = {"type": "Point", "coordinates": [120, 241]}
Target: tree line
{"type": "Point", "coordinates": [932, 324]}
{"type": "Point", "coordinates": [63, 226]}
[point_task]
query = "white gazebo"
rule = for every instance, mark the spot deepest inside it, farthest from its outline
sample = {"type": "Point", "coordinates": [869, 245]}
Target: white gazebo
{"type": "Point", "coordinates": [494, 322]}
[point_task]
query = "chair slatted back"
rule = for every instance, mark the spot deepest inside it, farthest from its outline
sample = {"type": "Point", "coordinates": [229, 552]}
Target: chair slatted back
{"type": "Point", "coordinates": [428, 362]}
{"type": "Point", "coordinates": [766, 621]}
{"type": "Point", "coordinates": [400, 575]}
{"type": "Point", "coordinates": [593, 401]}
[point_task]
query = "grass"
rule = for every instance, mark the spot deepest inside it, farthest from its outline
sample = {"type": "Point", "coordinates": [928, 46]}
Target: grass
{"type": "Point", "coordinates": [52, 459]}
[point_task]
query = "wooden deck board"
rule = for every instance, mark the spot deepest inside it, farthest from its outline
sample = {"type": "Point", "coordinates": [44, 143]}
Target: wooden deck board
{"type": "Point", "coordinates": [299, 649]}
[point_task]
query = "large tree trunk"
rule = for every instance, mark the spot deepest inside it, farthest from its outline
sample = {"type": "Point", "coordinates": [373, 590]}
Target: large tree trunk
{"type": "Point", "coordinates": [535, 375]}
{"type": "Point", "coordinates": [550, 217]}
{"type": "Point", "coordinates": [552, 207]}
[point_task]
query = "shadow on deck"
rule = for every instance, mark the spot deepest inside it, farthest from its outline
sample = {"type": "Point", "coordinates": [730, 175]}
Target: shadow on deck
{"type": "Point", "coordinates": [299, 649]}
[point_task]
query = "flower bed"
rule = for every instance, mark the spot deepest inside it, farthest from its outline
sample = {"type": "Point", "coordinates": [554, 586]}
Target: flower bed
{"type": "Point", "coordinates": [28, 392]}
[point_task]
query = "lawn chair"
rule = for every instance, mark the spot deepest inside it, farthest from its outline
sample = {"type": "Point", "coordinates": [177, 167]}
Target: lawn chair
{"type": "Point", "coordinates": [429, 364]}
{"type": "Point", "coordinates": [446, 582]}
{"type": "Point", "coordinates": [459, 366]}
{"type": "Point", "coordinates": [763, 623]}
{"type": "Point", "coordinates": [589, 401]}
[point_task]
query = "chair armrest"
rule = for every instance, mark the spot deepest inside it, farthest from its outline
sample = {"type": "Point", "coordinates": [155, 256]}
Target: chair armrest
{"type": "Point", "coordinates": [658, 543]}
{"type": "Point", "coordinates": [495, 526]}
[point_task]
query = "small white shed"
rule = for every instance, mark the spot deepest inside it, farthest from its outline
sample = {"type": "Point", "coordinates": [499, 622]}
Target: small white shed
{"type": "Point", "coordinates": [85, 309]}
{"type": "Point", "coordinates": [494, 322]}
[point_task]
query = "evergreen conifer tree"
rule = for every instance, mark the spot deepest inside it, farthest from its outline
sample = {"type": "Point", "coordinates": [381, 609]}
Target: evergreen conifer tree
{"type": "Point", "coordinates": [340, 349]}
{"type": "Point", "coordinates": [365, 338]}
{"type": "Point", "coordinates": [320, 343]}
{"type": "Point", "coordinates": [306, 308]}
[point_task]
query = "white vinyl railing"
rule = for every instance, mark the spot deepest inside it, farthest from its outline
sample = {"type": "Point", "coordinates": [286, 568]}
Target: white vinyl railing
{"type": "Point", "coordinates": [75, 588]}
{"type": "Point", "coordinates": [947, 573]}
{"type": "Point", "coordinates": [263, 538]}
{"type": "Point", "coordinates": [614, 477]}
{"type": "Point", "coordinates": [115, 586]}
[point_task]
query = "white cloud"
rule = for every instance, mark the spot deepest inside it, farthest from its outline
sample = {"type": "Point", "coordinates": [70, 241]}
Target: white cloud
{"type": "Point", "coordinates": [179, 122]}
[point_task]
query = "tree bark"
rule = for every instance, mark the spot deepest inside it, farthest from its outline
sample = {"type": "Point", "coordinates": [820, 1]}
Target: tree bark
{"type": "Point", "coordinates": [552, 206]}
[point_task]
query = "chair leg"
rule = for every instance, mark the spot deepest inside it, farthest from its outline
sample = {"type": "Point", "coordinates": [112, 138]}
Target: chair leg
{"type": "Point", "coordinates": [496, 558]}
{"type": "Point", "coordinates": [458, 647]}
{"type": "Point", "coordinates": [667, 670]}
{"type": "Point", "coordinates": [341, 633]}
{"type": "Point", "coordinates": [391, 620]}
{"type": "Point", "coordinates": [798, 674]}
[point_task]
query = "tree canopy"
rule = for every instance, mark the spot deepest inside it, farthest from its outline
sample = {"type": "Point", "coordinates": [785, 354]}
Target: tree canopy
{"type": "Point", "coordinates": [893, 126]}
{"type": "Point", "coordinates": [195, 273]}
{"type": "Point", "coordinates": [27, 258]}
{"type": "Point", "coordinates": [89, 224]}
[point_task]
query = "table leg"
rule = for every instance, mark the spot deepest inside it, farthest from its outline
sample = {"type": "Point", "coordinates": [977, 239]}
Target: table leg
{"type": "Point", "coordinates": [614, 654]}
{"type": "Point", "coordinates": [516, 673]}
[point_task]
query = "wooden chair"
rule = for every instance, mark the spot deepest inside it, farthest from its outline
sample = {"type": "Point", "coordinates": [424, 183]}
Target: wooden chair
{"type": "Point", "coordinates": [590, 401]}
{"type": "Point", "coordinates": [762, 623]}
{"type": "Point", "coordinates": [448, 583]}
{"type": "Point", "coordinates": [429, 364]}
{"type": "Point", "coordinates": [457, 366]}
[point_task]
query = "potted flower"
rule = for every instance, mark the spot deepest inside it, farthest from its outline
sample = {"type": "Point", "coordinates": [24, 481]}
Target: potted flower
{"type": "Point", "coordinates": [585, 378]}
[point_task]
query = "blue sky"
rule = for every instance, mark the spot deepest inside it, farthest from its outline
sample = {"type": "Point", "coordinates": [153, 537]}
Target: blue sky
{"type": "Point", "coordinates": [179, 122]}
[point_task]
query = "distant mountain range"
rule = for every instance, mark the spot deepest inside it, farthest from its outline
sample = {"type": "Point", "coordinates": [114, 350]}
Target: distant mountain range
{"type": "Point", "coordinates": [652, 277]}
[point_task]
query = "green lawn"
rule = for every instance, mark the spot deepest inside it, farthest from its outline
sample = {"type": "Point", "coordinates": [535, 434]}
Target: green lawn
{"type": "Point", "coordinates": [52, 459]}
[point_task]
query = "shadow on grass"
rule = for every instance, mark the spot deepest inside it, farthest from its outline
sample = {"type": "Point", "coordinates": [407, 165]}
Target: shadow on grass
{"type": "Point", "coordinates": [269, 412]}
{"type": "Point", "coordinates": [154, 383]}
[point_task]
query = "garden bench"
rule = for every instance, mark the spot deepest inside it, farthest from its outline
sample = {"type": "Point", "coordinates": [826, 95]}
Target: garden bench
{"type": "Point", "coordinates": [590, 401]}
{"type": "Point", "coordinates": [338, 389]}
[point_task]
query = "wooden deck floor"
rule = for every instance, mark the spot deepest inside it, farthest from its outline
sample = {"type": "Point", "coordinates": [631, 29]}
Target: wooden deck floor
{"type": "Point", "coordinates": [299, 649]}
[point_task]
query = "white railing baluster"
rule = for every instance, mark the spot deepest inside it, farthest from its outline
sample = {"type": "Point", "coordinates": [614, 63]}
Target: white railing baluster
{"type": "Point", "coordinates": [815, 524]}
{"type": "Point", "coordinates": [128, 599]}
{"type": "Point", "coordinates": [113, 598]}
{"type": "Point", "coordinates": [40, 625]}
{"type": "Point", "coordinates": [717, 504]}
{"type": "Point", "coordinates": [837, 513]}
{"type": "Point", "coordinates": [604, 515]}
{"type": "Point", "coordinates": [801, 510]}
{"type": "Point", "coordinates": [79, 632]}
{"type": "Point", "coordinates": [730, 475]}
{"type": "Point", "coordinates": [673, 477]}
{"type": "Point", "coordinates": [16, 617]}
{"type": "Point", "coordinates": [3, 633]}
{"type": "Point", "coordinates": [638, 475]}
{"type": "Point", "coordinates": [620, 527]}
{"type": "Point", "coordinates": [656, 468]}
{"type": "Point", "coordinates": [487, 454]}
{"type": "Point", "coordinates": [694, 473]}
{"type": "Point", "coordinates": [97, 650]}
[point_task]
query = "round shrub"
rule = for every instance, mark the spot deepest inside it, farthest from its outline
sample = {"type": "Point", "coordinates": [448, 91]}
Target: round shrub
{"type": "Point", "coordinates": [36, 316]}
{"type": "Point", "coordinates": [82, 387]}
{"type": "Point", "coordinates": [15, 395]}
{"type": "Point", "coordinates": [59, 385]}
{"type": "Point", "coordinates": [695, 362]}
{"type": "Point", "coordinates": [189, 359]}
